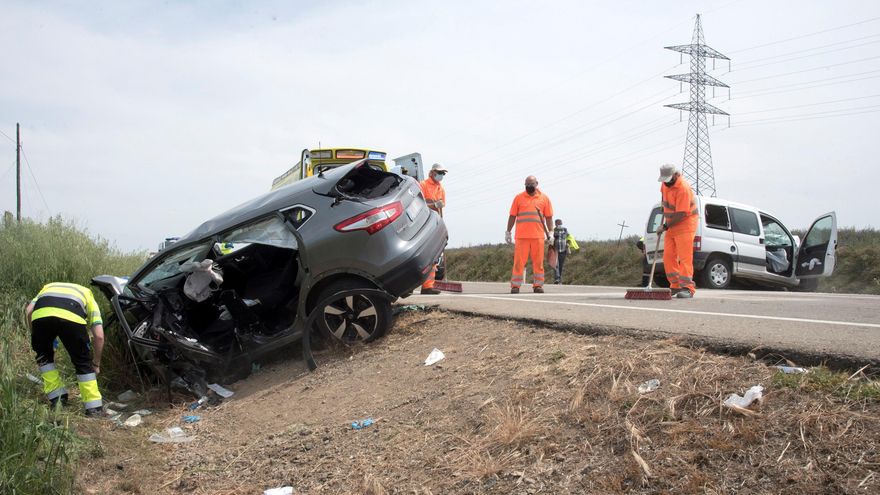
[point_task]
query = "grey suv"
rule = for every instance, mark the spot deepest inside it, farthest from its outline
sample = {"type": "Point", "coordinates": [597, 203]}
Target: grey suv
{"type": "Point", "coordinates": [350, 240]}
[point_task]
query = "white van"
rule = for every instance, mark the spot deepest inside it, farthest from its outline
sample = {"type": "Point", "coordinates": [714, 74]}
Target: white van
{"type": "Point", "coordinates": [746, 243]}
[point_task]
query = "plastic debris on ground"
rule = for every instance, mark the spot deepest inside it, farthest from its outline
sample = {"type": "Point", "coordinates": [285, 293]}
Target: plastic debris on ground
{"type": "Point", "coordinates": [359, 425]}
{"type": "Point", "coordinates": [197, 404]}
{"type": "Point", "coordinates": [284, 490]}
{"type": "Point", "coordinates": [127, 396]}
{"type": "Point", "coordinates": [435, 356]}
{"type": "Point", "coordinates": [33, 378]}
{"type": "Point", "coordinates": [171, 435]}
{"type": "Point", "coordinates": [792, 370]}
{"type": "Point", "coordinates": [222, 392]}
{"type": "Point", "coordinates": [753, 394]}
{"type": "Point", "coordinates": [143, 412]}
{"type": "Point", "coordinates": [133, 420]}
{"type": "Point", "coordinates": [409, 307]}
{"type": "Point", "coordinates": [111, 412]}
{"type": "Point", "coordinates": [649, 386]}
{"type": "Point", "coordinates": [115, 405]}
{"type": "Point", "coordinates": [191, 418]}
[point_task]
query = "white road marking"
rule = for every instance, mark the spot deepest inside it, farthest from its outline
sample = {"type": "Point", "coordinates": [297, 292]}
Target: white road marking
{"type": "Point", "coordinates": [681, 311]}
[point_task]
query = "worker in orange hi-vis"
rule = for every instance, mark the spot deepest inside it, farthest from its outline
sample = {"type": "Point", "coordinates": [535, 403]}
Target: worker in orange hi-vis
{"type": "Point", "coordinates": [435, 196]}
{"type": "Point", "coordinates": [532, 213]}
{"type": "Point", "coordinates": [680, 221]}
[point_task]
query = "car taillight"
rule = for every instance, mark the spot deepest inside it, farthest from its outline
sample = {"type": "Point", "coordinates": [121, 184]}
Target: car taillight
{"type": "Point", "coordinates": [372, 221]}
{"type": "Point", "coordinates": [698, 243]}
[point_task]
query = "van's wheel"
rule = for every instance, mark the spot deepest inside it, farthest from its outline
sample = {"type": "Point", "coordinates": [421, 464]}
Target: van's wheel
{"type": "Point", "coordinates": [716, 274]}
{"type": "Point", "coordinates": [353, 319]}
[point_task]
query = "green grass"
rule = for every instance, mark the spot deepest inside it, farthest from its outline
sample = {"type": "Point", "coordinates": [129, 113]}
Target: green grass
{"type": "Point", "coordinates": [821, 379]}
{"type": "Point", "coordinates": [606, 263]}
{"type": "Point", "coordinates": [39, 448]}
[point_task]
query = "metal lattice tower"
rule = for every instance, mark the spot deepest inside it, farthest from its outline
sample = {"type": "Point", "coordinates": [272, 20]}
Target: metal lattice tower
{"type": "Point", "coordinates": [697, 163]}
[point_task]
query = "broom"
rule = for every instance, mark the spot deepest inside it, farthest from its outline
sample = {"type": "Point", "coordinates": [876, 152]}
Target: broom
{"type": "Point", "coordinates": [659, 294]}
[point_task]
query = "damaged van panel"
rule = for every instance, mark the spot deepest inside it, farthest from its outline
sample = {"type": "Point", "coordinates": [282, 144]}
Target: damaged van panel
{"type": "Point", "coordinates": [241, 285]}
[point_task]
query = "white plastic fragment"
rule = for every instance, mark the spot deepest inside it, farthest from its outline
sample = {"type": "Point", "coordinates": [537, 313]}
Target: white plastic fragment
{"type": "Point", "coordinates": [33, 378]}
{"type": "Point", "coordinates": [143, 412]}
{"type": "Point", "coordinates": [115, 405]}
{"type": "Point", "coordinates": [435, 356]}
{"type": "Point", "coordinates": [791, 370]}
{"type": "Point", "coordinates": [221, 391]}
{"type": "Point", "coordinates": [649, 386]}
{"type": "Point", "coordinates": [133, 420]}
{"type": "Point", "coordinates": [172, 435]}
{"type": "Point", "coordinates": [127, 396]}
{"type": "Point", "coordinates": [284, 490]}
{"type": "Point", "coordinates": [753, 394]}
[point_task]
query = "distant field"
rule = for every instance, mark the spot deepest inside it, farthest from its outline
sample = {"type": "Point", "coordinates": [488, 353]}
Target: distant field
{"type": "Point", "coordinates": [604, 263]}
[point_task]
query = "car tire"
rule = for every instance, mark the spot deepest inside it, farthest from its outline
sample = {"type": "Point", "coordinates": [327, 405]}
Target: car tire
{"type": "Point", "coordinates": [716, 274]}
{"type": "Point", "coordinates": [354, 319]}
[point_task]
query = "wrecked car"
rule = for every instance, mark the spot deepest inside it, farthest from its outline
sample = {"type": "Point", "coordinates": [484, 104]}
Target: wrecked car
{"type": "Point", "coordinates": [241, 285]}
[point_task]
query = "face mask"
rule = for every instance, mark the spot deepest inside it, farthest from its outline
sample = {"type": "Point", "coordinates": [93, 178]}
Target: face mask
{"type": "Point", "coordinates": [671, 182]}
{"type": "Point", "coordinates": [530, 189]}
{"type": "Point", "coordinates": [439, 177]}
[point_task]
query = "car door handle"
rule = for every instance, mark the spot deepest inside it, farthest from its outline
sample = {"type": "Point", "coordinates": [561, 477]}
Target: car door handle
{"type": "Point", "coordinates": [732, 249]}
{"type": "Point", "coordinates": [760, 241]}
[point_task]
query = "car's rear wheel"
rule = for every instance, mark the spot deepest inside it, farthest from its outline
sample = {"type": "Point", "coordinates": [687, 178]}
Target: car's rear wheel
{"type": "Point", "coordinates": [353, 319]}
{"type": "Point", "coordinates": [716, 274]}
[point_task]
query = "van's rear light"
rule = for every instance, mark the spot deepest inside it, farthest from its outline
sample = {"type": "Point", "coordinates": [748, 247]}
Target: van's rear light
{"type": "Point", "coordinates": [372, 221]}
{"type": "Point", "coordinates": [698, 243]}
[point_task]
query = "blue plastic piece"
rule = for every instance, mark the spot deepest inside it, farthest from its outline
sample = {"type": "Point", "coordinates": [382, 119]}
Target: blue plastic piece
{"type": "Point", "coordinates": [191, 418]}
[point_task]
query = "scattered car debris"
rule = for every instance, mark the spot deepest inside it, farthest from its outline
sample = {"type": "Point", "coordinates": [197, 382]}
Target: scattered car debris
{"type": "Point", "coordinates": [115, 405]}
{"type": "Point", "coordinates": [435, 356]}
{"type": "Point", "coordinates": [33, 378]}
{"type": "Point", "coordinates": [649, 386]}
{"type": "Point", "coordinates": [408, 307]}
{"type": "Point", "coordinates": [791, 370]}
{"type": "Point", "coordinates": [127, 396]}
{"type": "Point", "coordinates": [172, 435]}
{"type": "Point", "coordinates": [192, 418]}
{"type": "Point", "coordinates": [753, 394]}
{"type": "Point", "coordinates": [221, 391]}
{"type": "Point", "coordinates": [284, 490]}
{"type": "Point", "coordinates": [197, 404]}
{"type": "Point", "coordinates": [143, 412]}
{"type": "Point", "coordinates": [360, 425]}
{"type": "Point", "coordinates": [133, 420]}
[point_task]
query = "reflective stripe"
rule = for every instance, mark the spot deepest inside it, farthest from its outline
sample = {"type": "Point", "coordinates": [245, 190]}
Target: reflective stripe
{"type": "Point", "coordinates": [47, 367]}
{"type": "Point", "coordinates": [92, 404]}
{"type": "Point", "coordinates": [667, 205]}
{"type": "Point", "coordinates": [88, 377]}
{"type": "Point", "coordinates": [58, 392]}
{"type": "Point", "coordinates": [527, 220]}
{"type": "Point", "coordinates": [527, 214]}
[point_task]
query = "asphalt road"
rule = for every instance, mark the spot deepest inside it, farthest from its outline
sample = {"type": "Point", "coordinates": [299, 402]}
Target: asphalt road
{"type": "Point", "coordinates": [842, 328]}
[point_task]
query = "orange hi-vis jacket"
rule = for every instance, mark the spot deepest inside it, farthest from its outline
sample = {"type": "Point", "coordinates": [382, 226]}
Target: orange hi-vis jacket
{"type": "Point", "coordinates": [433, 191]}
{"type": "Point", "coordinates": [525, 209]}
{"type": "Point", "coordinates": [680, 199]}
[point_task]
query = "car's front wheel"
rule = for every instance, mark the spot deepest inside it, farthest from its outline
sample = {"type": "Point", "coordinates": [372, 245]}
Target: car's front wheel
{"type": "Point", "coordinates": [353, 319]}
{"type": "Point", "coordinates": [716, 274]}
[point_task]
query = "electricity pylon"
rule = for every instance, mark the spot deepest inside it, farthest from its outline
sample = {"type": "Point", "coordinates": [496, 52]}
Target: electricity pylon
{"type": "Point", "coordinates": [697, 163]}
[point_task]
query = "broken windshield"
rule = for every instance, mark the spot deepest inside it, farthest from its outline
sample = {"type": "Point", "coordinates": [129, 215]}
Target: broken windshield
{"type": "Point", "coordinates": [170, 265]}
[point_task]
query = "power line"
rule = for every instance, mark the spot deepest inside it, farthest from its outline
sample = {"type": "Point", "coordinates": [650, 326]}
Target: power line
{"type": "Point", "coordinates": [809, 104]}
{"type": "Point", "coordinates": [807, 70]}
{"type": "Point", "coordinates": [750, 66]}
{"type": "Point", "coordinates": [39, 190]}
{"type": "Point", "coordinates": [827, 112]}
{"type": "Point", "coordinates": [781, 120]}
{"type": "Point", "coordinates": [783, 55]}
{"type": "Point", "coordinates": [7, 136]}
{"type": "Point", "coordinates": [8, 170]}
{"type": "Point", "coordinates": [806, 35]}
{"type": "Point", "coordinates": [764, 90]}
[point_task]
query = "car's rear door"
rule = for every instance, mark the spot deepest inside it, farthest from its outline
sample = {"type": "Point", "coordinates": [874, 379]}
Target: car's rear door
{"type": "Point", "coordinates": [817, 254]}
{"type": "Point", "coordinates": [750, 257]}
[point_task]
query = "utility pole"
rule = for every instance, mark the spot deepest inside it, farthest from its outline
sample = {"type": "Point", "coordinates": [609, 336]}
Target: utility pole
{"type": "Point", "coordinates": [697, 163]}
{"type": "Point", "coordinates": [622, 225]}
{"type": "Point", "coordinates": [17, 173]}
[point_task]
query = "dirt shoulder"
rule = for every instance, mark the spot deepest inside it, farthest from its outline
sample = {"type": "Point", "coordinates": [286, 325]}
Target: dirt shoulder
{"type": "Point", "coordinates": [513, 408]}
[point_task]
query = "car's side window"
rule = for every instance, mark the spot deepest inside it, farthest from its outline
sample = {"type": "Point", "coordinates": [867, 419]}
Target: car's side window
{"type": "Point", "coordinates": [744, 222]}
{"type": "Point", "coordinates": [820, 233]}
{"type": "Point", "coordinates": [716, 217]}
{"type": "Point", "coordinates": [298, 215]}
{"type": "Point", "coordinates": [655, 220]}
{"type": "Point", "coordinates": [774, 234]}
{"type": "Point", "coordinates": [269, 231]}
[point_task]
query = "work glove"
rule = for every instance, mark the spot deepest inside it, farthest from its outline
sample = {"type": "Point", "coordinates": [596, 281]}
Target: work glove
{"type": "Point", "coordinates": [547, 241]}
{"type": "Point", "coordinates": [507, 238]}
{"type": "Point", "coordinates": [439, 204]}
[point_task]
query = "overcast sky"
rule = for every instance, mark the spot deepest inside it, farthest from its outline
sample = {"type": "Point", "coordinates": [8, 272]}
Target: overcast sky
{"type": "Point", "coordinates": [140, 120]}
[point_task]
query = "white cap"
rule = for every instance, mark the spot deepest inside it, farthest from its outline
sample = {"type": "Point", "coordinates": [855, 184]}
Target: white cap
{"type": "Point", "coordinates": [438, 168]}
{"type": "Point", "coordinates": [666, 172]}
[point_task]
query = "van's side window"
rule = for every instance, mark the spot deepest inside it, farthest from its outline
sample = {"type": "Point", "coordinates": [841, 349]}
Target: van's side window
{"type": "Point", "coordinates": [655, 220]}
{"type": "Point", "coordinates": [744, 222]}
{"type": "Point", "coordinates": [716, 217]}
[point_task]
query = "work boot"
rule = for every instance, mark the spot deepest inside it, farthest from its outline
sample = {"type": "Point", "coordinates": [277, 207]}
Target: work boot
{"type": "Point", "coordinates": [538, 290]}
{"type": "Point", "coordinates": [94, 412]}
{"type": "Point", "coordinates": [431, 291]}
{"type": "Point", "coordinates": [677, 290]}
{"type": "Point", "coordinates": [684, 294]}
{"type": "Point", "coordinates": [514, 290]}
{"type": "Point", "coordinates": [61, 398]}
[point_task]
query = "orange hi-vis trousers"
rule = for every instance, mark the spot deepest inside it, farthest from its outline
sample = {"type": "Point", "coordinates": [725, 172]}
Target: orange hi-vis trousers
{"type": "Point", "coordinates": [522, 251]}
{"type": "Point", "coordinates": [429, 284]}
{"type": "Point", "coordinates": [678, 260]}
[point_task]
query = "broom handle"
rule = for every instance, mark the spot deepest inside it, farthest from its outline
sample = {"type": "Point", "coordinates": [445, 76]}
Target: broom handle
{"type": "Point", "coordinates": [654, 263]}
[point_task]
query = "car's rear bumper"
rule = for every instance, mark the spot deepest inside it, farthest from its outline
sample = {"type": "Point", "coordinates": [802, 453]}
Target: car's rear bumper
{"type": "Point", "coordinates": [412, 272]}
